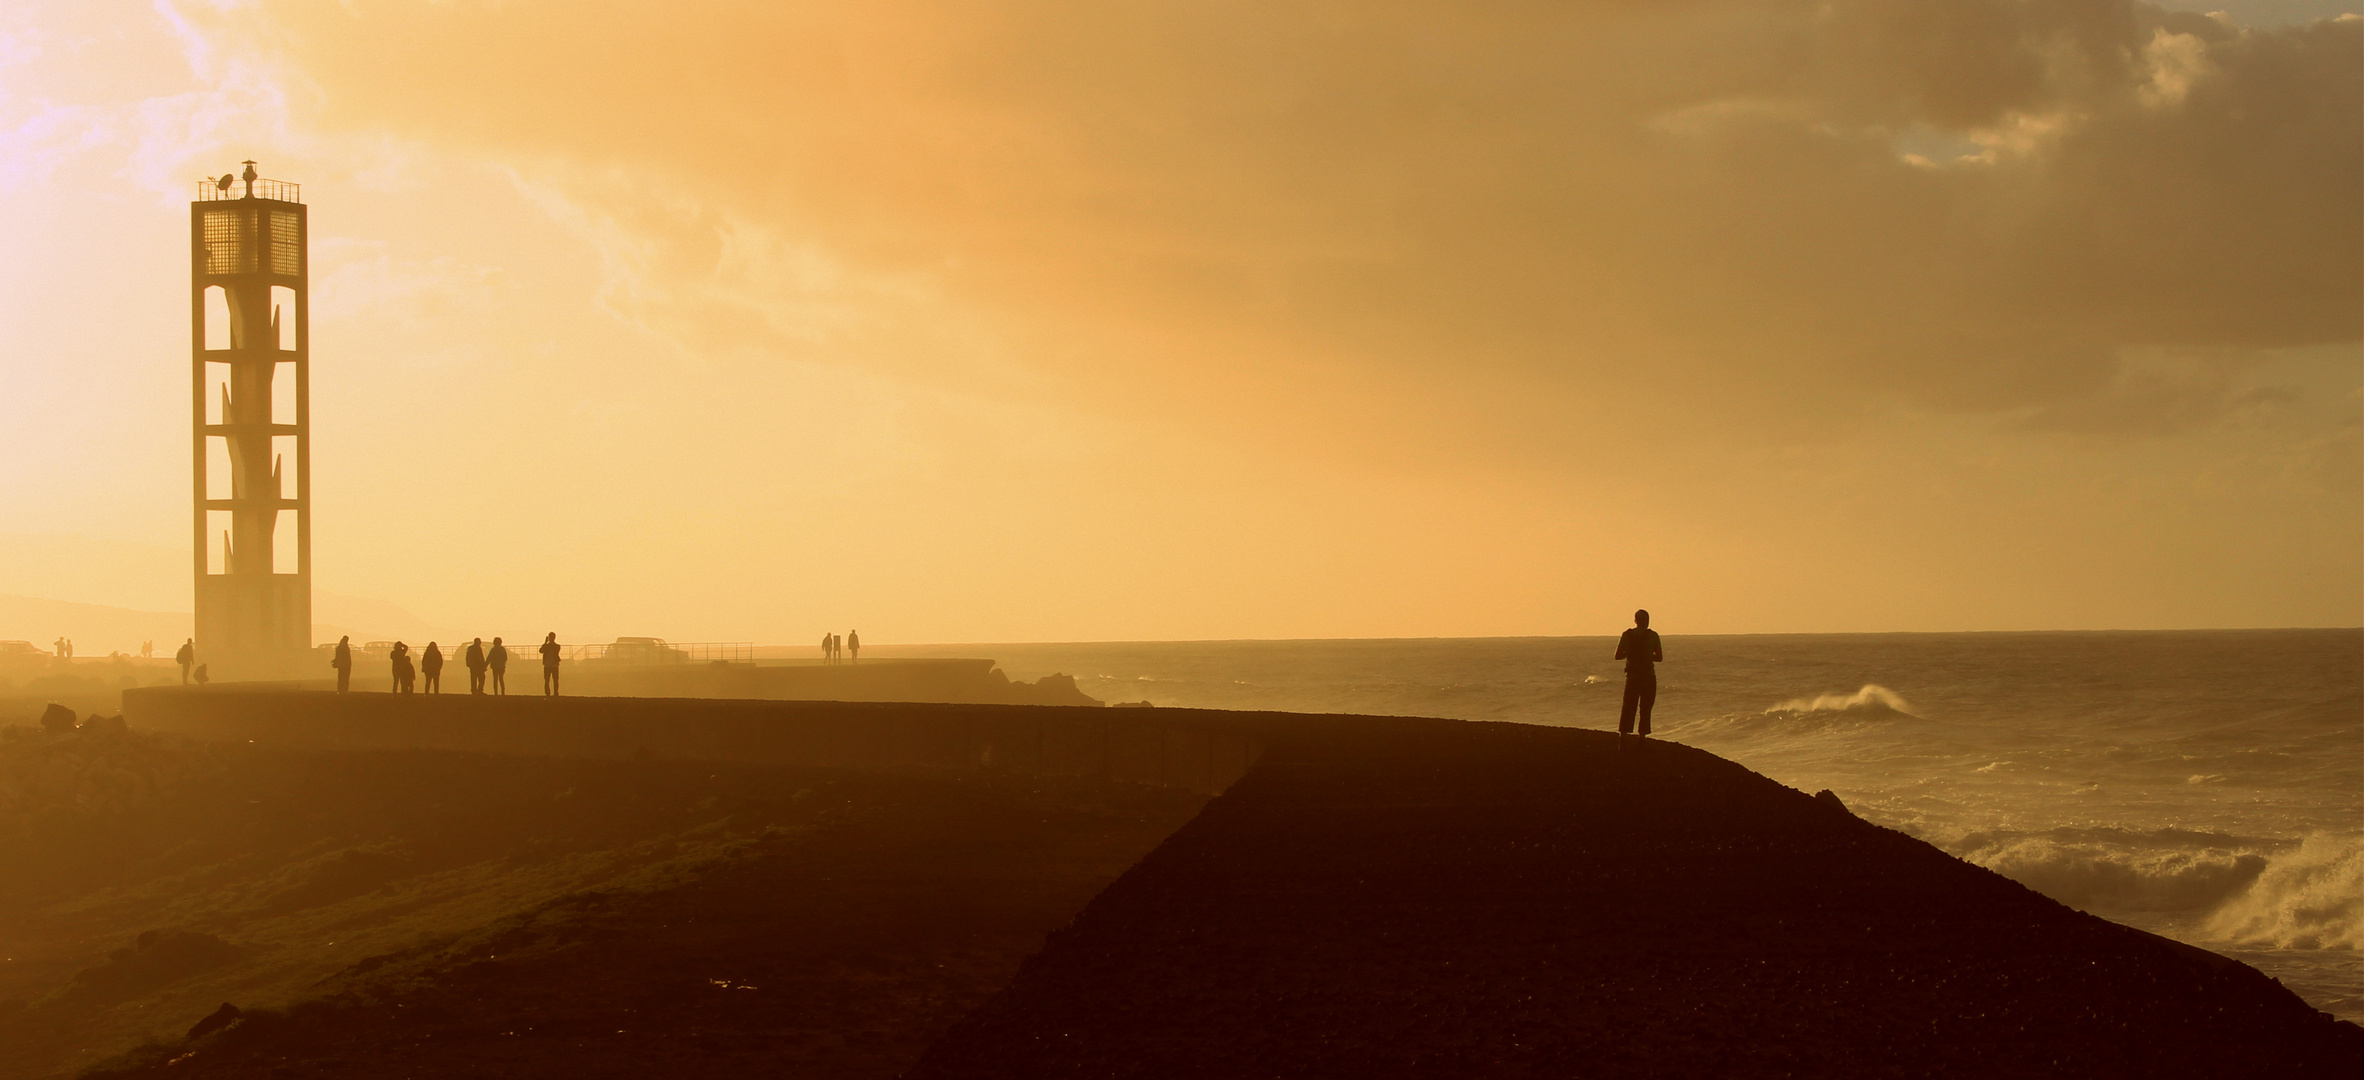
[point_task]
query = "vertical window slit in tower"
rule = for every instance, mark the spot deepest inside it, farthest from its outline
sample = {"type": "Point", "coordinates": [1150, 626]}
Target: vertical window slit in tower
{"type": "Point", "coordinates": [283, 465]}
{"type": "Point", "coordinates": [283, 315]}
{"type": "Point", "coordinates": [217, 393]}
{"type": "Point", "coordinates": [217, 317]}
{"type": "Point", "coordinates": [217, 541]}
{"type": "Point", "coordinates": [220, 482]}
{"type": "Point", "coordinates": [283, 393]}
{"type": "Point", "coordinates": [283, 542]}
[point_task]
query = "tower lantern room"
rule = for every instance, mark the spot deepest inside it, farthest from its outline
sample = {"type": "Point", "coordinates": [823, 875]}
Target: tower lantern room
{"type": "Point", "coordinates": [251, 424]}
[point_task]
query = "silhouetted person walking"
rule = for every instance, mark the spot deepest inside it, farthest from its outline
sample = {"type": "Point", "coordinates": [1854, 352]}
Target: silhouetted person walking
{"type": "Point", "coordinates": [497, 661]}
{"type": "Point", "coordinates": [431, 665]}
{"type": "Point", "coordinates": [550, 651]}
{"type": "Point", "coordinates": [1640, 650]}
{"type": "Point", "coordinates": [343, 662]}
{"type": "Point", "coordinates": [186, 657]}
{"type": "Point", "coordinates": [475, 661]}
{"type": "Point", "coordinates": [853, 646]}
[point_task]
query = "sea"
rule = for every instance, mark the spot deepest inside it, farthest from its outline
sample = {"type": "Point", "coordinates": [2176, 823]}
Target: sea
{"type": "Point", "coordinates": [2207, 786]}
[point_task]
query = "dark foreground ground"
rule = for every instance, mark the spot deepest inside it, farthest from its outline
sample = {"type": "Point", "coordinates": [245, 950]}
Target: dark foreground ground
{"type": "Point", "coordinates": [1373, 898]}
{"type": "Point", "coordinates": [1500, 900]}
{"type": "Point", "coordinates": [429, 913]}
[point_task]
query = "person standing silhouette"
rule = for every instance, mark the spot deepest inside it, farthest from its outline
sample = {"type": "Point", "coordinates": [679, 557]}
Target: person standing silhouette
{"type": "Point", "coordinates": [497, 661]}
{"type": "Point", "coordinates": [431, 665]}
{"type": "Point", "coordinates": [828, 648]}
{"type": "Point", "coordinates": [186, 657]}
{"type": "Point", "coordinates": [475, 660]}
{"type": "Point", "coordinates": [853, 646]}
{"type": "Point", "coordinates": [550, 651]}
{"type": "Point", "coordinates": [1640, 650]}
{"type": "Point", "coordinates": [403, 673]}
{"type": "Point", "coordinates": [343, 662]}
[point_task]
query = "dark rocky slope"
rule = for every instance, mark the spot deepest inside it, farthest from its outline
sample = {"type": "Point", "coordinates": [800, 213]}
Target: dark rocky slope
{"type": "Point", "coordinates": [1500, 900]}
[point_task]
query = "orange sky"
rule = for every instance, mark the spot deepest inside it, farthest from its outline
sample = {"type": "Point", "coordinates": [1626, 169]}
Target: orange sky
{"type": "Point", "coordinates": [1051, 321]}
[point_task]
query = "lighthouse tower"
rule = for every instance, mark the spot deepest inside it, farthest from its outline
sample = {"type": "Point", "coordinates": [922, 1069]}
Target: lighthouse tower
{"type": "Point", "coordinates": [250, 378]}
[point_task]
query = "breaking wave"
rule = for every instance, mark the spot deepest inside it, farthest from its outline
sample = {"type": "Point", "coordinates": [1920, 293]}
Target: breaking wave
{"type": "Point", "coordinates": [2251, 893]}
{"type": "Point", "coordinates": [1873, 697]}
{"type": "Point", "coordinates": [2121, 870]}
{"type": "Point", "coordinates": [2311, 898]}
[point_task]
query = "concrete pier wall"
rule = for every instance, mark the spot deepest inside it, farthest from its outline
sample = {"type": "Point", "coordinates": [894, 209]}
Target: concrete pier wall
{"type": "Point", "coordinates": [972, 681]}
{"type": "Point", "coordinates": [1200, 751]}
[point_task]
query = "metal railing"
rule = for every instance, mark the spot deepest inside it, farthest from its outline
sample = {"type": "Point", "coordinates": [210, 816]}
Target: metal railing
{"type": "Point", "coordinates": [528, 653]}
{"type": "Point", "coordinates": [227, 188]}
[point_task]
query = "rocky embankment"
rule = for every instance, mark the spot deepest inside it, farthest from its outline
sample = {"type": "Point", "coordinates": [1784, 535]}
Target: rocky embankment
{"type": "Point", "coordinates": [1372, 897]}
{"type": "Point", "coordinates": [89, 765]}
{"type": "Point", "coordinates": [1502, 900]}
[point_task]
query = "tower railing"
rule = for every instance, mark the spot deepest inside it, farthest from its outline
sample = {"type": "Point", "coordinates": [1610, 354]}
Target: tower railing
{"type": "Point", "coordinates": [216, 191]}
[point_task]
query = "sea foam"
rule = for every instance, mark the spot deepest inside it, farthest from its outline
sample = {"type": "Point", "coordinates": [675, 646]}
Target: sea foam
{"type": "Point", "coordinates": [2311, 898]}
{"type": "Point", "coordinates": [1872, 696]}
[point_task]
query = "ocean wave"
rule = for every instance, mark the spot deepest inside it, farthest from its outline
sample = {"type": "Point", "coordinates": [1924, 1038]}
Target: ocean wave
{"type": "Point", "coordinates": [2245, 892]}
{"type": "Point", "coordinates": [1873, 697]}
{"type": "Point", "coordinates": [2311, 898]}
{"type": "Point", "coordinates": [2161, 872]}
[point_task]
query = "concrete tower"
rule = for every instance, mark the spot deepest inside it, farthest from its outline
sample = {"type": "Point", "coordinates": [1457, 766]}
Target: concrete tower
{"type": "Point", "coordinates": [251, 426]}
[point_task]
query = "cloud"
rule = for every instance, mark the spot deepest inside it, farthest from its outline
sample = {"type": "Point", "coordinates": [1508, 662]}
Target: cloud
{"type": "Point", "coordinates": [1896, 294]}
{"type": "Point", "coordinates": [1601, 202]}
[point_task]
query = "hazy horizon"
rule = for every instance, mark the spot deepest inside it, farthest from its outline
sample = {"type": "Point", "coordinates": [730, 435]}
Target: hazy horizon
{"type": "Point", "coordinates": [1168, 322]}
{"type": "Point", "coordinates": [145, 592]}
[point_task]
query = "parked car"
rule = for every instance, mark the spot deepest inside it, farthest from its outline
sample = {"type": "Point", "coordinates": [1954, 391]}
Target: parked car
{"type": "Point", "coordinates": [643, 650]}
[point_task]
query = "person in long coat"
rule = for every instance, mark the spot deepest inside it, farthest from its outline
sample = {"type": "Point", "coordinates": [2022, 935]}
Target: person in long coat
{"type": "Point", "coordinates": [431, 664]}
{"type": "Point", "coordinates": [343, 662]}
{"type": "Point", "coordinates": [498, 662]}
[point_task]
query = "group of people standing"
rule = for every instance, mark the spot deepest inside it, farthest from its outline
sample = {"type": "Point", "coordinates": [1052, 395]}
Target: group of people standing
{"type": "Point", "coordinates": [847, 648]}
{"type": "Point", "coordinates": [488, 667]}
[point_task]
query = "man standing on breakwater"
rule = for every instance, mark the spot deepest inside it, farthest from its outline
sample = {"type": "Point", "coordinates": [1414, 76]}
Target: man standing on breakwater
{"type": "Point", "coordinates": [1640, 650]}
{"type": "Point", "coordinates": [498, 661]}
{"type": "Point", "coordinates": [853, 646]}
{"type": "Point", "coordinates": [342, 660]}
{"type": "Point", "coordinates": [550, 651]}
{"type": "Point", "coordinates": [186, 657]}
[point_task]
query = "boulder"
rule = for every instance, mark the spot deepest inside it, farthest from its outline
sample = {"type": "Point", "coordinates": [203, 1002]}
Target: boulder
{"type": "Point", "coordinates": [57, 719]}
{"type": "Point", "coordinates": [217, 1020]}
